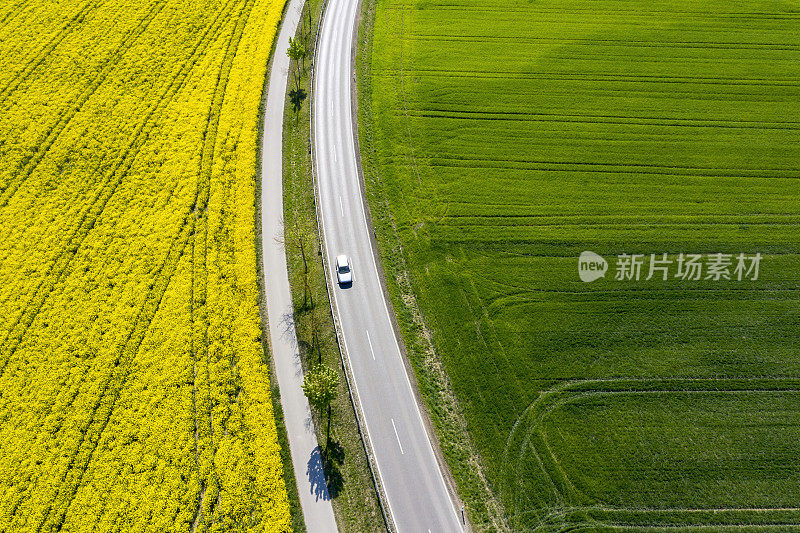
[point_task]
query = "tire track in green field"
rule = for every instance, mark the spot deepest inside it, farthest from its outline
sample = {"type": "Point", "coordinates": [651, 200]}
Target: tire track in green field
{"type": "Point", "coordinates": [640, 11]}
{"type": "Point", "coordinates": [734, 517]}
{"type": "Point", "coordinates": [535, 439]}
{"type": "Point", "coordinates": [537, 116]}
{"type": "Point", "coordinates": [632, 43]}
{"type": "Point", "coordinates": [648, 169]}
{"type": "Point", "coordinates": [595, 77]}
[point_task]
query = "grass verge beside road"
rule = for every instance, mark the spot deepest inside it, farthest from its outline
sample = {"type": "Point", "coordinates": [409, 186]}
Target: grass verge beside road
{"type": "Point", "coordinates": [482, 507]}
{"type": "Point", "coordinates": [355, 500]}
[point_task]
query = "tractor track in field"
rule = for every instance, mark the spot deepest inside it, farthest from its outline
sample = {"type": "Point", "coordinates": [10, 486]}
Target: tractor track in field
{"type": "Point", "coordinates": [44, 52]}
{"type": "Point", "coordinates": [27, 166]}
{"type": "Point", "coordinates": [121, 169]}
{"type": "Point", "coordinates": [122, 365]}
{"type": "Point", "coordinates": [201, 219]}
{"type": "Point", "coordinates": [97, 206]}
{"type": "Point", "coordinates": [572, 390]}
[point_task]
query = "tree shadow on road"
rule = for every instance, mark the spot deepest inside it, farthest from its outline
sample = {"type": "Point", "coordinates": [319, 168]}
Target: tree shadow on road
{"type": "Point", "coordinates": [323, 471]}
{"type": "Point", "coordinates": [316, 475]}
{"type": "Point", "coordinates": [332, 460]}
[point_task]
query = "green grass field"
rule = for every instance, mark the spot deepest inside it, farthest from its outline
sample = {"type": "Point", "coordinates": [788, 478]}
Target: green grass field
{"type": "Point", "coordinates": [505, 138]}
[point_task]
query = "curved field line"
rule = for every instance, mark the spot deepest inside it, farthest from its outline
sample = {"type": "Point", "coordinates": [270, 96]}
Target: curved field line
{"type": "Point", "coordinates": [44, 52]}
{"type": "Point", "coordinates": [168, 95]}
{"type": "Point", "coordinates": [26, 168]}
{"type": "Point", "coordinates": [197, 216]}
{"type": "Point", "coordinates": [103, 195]}
{"type": "Point", "coordinates": [201, 219]}
{"type": "Point", "coordinates": [115, 381]}
{"type": "Point", "coordinates": [566, 392]}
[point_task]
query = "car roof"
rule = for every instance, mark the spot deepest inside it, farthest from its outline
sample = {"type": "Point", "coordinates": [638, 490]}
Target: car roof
{"type": "Point", "coordinates": [342, 259]}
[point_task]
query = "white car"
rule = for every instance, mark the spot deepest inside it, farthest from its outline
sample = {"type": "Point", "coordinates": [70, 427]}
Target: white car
{"type": "Point", "coordinates": [343, 272]}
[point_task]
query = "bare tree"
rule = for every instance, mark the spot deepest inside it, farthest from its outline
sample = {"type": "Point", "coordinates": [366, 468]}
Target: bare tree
{"type": "Point", "coordinates": [300, 238]}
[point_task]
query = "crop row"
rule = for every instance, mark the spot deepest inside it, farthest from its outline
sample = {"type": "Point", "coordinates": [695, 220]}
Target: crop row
{"type": "Point", "coordinates": [134, 388]}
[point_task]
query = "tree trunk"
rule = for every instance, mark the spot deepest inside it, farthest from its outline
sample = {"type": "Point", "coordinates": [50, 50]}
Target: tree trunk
{"type": "Point", "coordinates": [303, 253]}
{"type": "Point", "coordinates": [305, 269]}
{"type": "Point", "coordinates": [315, 334]}
{"type": "Point", "coordinates": [328, 435]}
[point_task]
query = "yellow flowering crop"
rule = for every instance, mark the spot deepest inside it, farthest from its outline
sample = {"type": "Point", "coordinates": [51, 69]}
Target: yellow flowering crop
{"type": "Point", "coordinates": [134, 394]}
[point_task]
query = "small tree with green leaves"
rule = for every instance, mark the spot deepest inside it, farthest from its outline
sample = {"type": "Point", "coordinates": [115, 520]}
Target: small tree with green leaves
{"type": "Point", "coordinates": [320, 386]}
{"type": "Point", "coordinates": [297, 52]}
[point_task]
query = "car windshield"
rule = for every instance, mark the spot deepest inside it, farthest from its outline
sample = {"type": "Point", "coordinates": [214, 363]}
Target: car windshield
{"type": "Point", "coordinates": [344, 268]}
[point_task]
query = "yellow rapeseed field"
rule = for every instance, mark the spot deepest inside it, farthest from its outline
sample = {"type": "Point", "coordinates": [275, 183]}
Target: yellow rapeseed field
{"type": "Point", "coordinates": [134, 392]}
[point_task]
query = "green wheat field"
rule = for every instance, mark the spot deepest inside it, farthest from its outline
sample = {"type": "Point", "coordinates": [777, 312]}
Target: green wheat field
{"type": "Point", "coordinates": [512, 135]}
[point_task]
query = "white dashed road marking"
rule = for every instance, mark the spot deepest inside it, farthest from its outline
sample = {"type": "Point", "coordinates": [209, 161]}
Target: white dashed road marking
{"type": "Point", "coordinates": [398, 438]}
{"type": "Point", "coordinates": [370, 346]}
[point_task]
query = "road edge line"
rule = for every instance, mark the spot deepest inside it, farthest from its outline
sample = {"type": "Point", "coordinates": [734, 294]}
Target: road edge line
{"type": "Point", "coordinates": [433, 440]}
{"type": "Point", "coordinates": [388, 517]}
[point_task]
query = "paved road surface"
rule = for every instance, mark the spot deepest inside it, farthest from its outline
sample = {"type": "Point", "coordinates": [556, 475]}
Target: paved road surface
{"type": "Point", "coordinates": [418, 498]}
{"type": "Point", "coordinates": [314, 497]}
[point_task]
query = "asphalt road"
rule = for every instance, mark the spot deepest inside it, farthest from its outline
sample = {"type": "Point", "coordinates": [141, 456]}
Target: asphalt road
{"type": "Point", "coordinates": [410, 474]}
{"type": "Point", "coordinates": [314, 498]}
